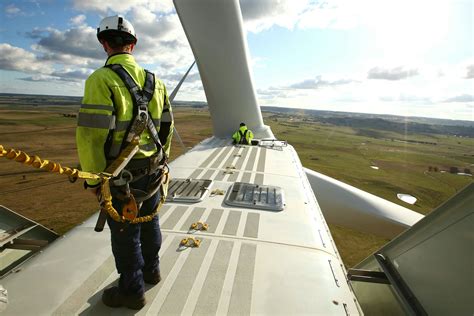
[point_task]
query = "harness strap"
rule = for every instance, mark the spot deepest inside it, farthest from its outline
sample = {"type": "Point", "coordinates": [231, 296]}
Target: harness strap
{"type": "Point", "coordinates": [141, 98]}
{"type": "Point", "coordinates": [243, 138]}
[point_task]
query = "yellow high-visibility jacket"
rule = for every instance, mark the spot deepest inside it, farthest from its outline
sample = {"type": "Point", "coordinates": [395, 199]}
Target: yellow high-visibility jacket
{"type": "Point", "coordinates": [107, 111]}
{"type": "Point", "coordinates": [238, 135]}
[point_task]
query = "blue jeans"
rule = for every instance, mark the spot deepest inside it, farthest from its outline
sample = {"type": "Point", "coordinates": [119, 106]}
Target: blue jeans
{"type": "Point", "coordinates": [135, 246]}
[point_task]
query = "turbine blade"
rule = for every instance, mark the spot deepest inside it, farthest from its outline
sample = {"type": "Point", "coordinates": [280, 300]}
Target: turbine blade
{"type": "Point", "coordinates": [176, 89]}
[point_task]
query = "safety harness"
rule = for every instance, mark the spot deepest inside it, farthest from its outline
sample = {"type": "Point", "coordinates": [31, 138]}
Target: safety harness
{"type": "Point", "coordinates": [137, 168]}
{"type": "Point", "coordinates": [141, 98]}
{"type": "Point", "coordinates": [243, 138]}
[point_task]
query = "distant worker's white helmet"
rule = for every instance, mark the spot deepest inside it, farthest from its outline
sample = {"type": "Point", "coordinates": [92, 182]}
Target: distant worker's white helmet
{"type": "Point", "coordinates": [116, 27]}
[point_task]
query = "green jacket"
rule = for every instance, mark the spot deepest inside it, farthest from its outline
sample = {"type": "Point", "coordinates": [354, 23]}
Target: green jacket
{"type": "Point", "coordinates": [107, 110]}
{"type": "Point", "coordinates": [238, 135]}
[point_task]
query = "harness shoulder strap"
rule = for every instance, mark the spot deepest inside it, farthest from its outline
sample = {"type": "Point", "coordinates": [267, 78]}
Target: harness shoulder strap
{"type": "Point", "coordinates": [243, 138]}
{"type": "Point", "coordinates": [131, 85]}
{"type": "Point", "coordinates": [149, 87]}
{"type": "Point", "coordinates": [141, 98]}
{"type": "Point", "coordinates": [148, 90]}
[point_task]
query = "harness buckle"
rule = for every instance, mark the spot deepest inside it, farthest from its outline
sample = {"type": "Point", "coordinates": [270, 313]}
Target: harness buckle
{"type": "Point", "coordinates": [124, 178]}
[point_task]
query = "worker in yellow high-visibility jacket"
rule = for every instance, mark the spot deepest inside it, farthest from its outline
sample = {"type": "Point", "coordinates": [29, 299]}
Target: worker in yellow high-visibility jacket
{"type": "Point", "coordinates": [243, 135]}
{"type": "Point", "coordinates": [104, 121]}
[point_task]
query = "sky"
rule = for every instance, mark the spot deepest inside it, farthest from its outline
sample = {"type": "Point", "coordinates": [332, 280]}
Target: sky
{"type": "Point", "coordinates": [409, 58]}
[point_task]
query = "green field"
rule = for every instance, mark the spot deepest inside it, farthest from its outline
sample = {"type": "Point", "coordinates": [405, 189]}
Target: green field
{"type": "Point", "coordinates": [347, 154]}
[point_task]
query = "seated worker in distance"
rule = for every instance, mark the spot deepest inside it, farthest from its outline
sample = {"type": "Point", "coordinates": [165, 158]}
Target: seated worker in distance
{"type": "Point", "coordinates": [243, 136]}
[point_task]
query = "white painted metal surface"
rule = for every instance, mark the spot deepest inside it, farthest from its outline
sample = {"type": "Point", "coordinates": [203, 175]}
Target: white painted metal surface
{"type": "Point", "coordinates": [3, 299]}
{"type": "Point", "coordinates": [348, 206]}
{"type": "Point", "coordinates": [250, 261]}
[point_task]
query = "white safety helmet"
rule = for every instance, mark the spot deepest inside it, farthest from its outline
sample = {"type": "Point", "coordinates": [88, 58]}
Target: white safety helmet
{"type": "Point", "coordinates": [117, 26]}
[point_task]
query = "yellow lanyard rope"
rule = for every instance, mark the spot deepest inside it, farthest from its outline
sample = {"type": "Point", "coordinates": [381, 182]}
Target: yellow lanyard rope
{"type": "Point", "coordinates": [37, 162]}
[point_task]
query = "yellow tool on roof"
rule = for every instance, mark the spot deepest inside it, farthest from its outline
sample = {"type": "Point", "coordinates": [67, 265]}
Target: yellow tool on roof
{"type": "Point", "coordinates": [199, 226]}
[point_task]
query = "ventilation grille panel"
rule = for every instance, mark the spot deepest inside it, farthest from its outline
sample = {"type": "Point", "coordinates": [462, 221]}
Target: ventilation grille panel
{"type": "Point", "coordinates": [249, 195]}
{"type": "Point", "coordinates": [187, 190]}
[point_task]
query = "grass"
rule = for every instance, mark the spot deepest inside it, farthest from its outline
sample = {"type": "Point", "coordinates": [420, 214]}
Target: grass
{"type": "Point", "coordinates": [342, 153]}
{"type": "Point", "coordinates": [193, 126]}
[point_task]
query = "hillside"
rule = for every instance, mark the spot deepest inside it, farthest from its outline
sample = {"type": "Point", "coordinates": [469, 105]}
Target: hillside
{"type": "Point", "coordinates": [391, 123]}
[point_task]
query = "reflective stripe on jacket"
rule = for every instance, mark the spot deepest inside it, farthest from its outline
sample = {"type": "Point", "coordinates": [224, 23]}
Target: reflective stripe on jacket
{"type": "Point", "coordinates": [107, 105]}
{"type": "Point", "coordinates": [248, 135]}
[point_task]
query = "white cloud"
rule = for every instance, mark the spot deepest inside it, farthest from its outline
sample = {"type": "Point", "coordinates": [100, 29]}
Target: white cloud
{"type": "Point", "coordinates": [334, 14]}
{"type": "Point", "coordinates": [308, 93]}
{"type": "Point", "coordinates": [12, 10]}
{"type": "Point", "coordinates": [461, 98]}
{"type": "Point", "coordinates": [121, 7]}
{"type": "Point", "coordinates": [78, 20]}
{"type": "Point", "coordinates": [80, 41]}
{"type": "Point", "coordinates": [107, 6]}
{"type": "Point", "coordinates": [156, 26]}
{"type": "Point", "coordinates": [405, 98]}
{"type": "Point", "coordinates": [419, 23]}
{"type": "Point", "coordinates": [18, 59]}
{"type": "Point", "coordinates": [272, 93]}
{"type": "Point", "coordinates": [318, 83]}
{"type": "Point", "coordinates": [77, 75]}
{"type": "Point", "coordinates": [470, 72]}
{"type": "Point", "coordinates": [397, 73]}
{"type": "Point", "coordinates": [176, 77]}
{"type": "Point", "coordinates": [405, 30]}
{"type": "Point", "coordinates": [346, 99]}
{"type": "Point", "coordinates": [40, 78]}
{"type": "Point", "coordinates": [75, 52]}
{"type": "Point", "coordinates": [425, 94]}
{"type": "Point", "coordinates": [263, 14]}
{"type": "Point", "coordinates": [160, 38]}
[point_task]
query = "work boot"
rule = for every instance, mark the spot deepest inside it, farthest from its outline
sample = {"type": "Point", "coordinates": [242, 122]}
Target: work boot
{"type": "Point", "coordinates": [112, 298]}
{"type": "Point", "coordinates": [151, 277]}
